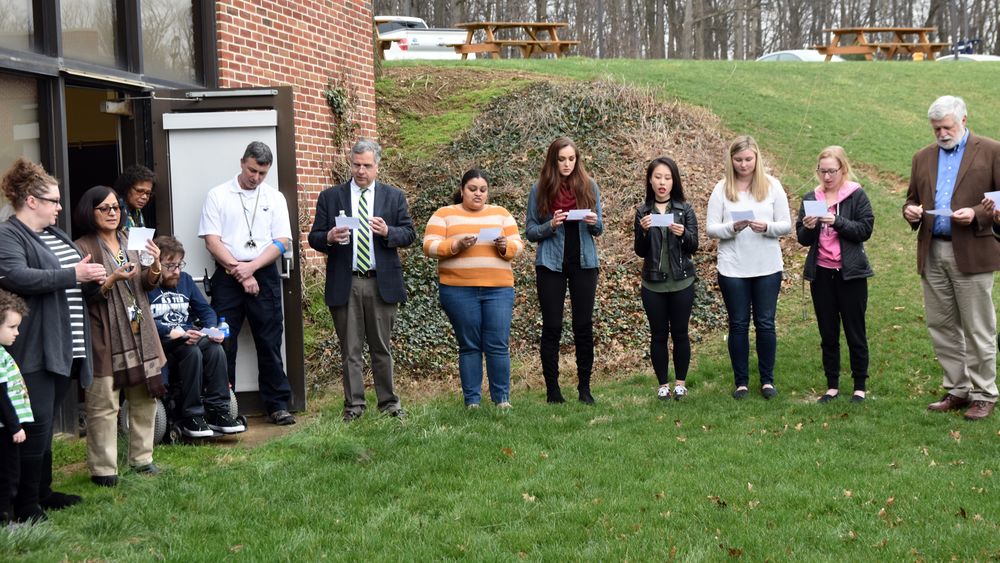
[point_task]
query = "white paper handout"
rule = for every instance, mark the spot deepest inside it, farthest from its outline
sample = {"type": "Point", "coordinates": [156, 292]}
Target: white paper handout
{"type": "Point", "coordinates": [489, 234]}
{"type": "Point", "coordinates": [742, 215]}
{"type": "Point", "coordinates": [661, 219]}
{"type": "Point", "coordinates": [577, 214]}
{"type": "Point", "coordinates": [995, 196]}
{"type": "Point", "coordinates": [137, 237]}
{"type": "Point", "coordinates": [212, 332]}
{"type": "Point", "coordinates": [352, 223]}
{"type": "Point", "coordinates": [941, 212]}
{"type": "Point", "coordinates": [816, 208]}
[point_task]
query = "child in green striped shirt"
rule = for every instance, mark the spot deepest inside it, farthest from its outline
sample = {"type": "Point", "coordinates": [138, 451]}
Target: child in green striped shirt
{"type": "Point", "coordinates": [15, 408]}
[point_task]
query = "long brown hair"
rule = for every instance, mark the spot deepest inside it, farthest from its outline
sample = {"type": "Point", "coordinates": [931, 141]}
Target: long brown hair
{"type": "Point", "coordinates": [549, 179]}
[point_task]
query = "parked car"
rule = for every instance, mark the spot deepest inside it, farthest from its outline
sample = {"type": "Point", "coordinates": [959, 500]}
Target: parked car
{"type": "Point", "coordinates": [412, 39]}
{"type": "Point", "coordinates": [798, 56]}
{"type": "Point", "coordinates": [962, 57]}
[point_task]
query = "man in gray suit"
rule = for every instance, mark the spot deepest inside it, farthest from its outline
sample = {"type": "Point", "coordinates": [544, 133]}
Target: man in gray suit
{"type": "Point", "coordinates": [364, 278]}
{"type": "Point", "coordinates": [957, 255]}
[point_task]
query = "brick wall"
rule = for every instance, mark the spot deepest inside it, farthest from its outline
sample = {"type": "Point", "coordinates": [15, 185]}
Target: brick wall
{"type": "Point", "coordinates": [302, 43]}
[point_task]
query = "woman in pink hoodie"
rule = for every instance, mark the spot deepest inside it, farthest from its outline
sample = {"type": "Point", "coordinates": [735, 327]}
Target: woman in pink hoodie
{"type": "Point", "coordinates": [837, 267]}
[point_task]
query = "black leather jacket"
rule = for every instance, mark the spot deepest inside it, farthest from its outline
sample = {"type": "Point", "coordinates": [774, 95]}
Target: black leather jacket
{"type": "Point", "coordinates": [648, 244]}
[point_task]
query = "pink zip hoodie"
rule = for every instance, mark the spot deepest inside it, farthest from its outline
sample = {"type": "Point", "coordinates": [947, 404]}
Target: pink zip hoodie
{"type": "Point", "coordinates": [828, 252]}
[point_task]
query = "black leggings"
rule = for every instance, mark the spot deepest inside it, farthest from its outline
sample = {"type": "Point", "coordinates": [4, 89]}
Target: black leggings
{"type": "Point", "coordinates": [669, 314]}
{"type": "Point", "coordinates": [47, 391]}
{"type": "Point", "coordinates": [552, 286]}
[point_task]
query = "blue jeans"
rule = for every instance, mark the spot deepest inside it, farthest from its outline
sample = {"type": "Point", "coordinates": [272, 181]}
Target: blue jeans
{"type": "Point", "coordinates": [745, 298]}
{"type": "Point", "coordinates": [481, 319]}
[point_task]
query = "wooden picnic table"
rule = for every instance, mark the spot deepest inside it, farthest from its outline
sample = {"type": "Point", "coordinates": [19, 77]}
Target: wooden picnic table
{"type": "Point", "coordinates": [905, 40]}
{"type": "Point", "coordinates": [542, 37]}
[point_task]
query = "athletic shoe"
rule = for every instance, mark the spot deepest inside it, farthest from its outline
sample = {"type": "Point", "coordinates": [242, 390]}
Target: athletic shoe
{"type": "Point", "coordinates": [223, 422]}
{"type": "Point", "coordinates": [195, 427]}
{"type": "Point", "coordinates": [663, 393]}
{"type": "Point", "coordinates": [680, 392]}
{"type": "Point", "coordinates": [504, 405]}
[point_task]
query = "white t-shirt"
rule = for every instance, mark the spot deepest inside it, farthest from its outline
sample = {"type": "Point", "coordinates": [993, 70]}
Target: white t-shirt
{"type": "Point", "coordinates": [238, 216]}
{"type": "Point", "coordinates": [748, 254]}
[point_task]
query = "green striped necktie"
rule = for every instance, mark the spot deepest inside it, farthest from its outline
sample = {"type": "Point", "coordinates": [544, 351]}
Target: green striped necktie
{"type": "Point", "coordinates": [364, 235]}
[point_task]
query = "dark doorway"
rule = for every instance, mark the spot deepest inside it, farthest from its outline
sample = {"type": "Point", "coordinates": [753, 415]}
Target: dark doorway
{"type": "Point", "coordinates": [92, 140]}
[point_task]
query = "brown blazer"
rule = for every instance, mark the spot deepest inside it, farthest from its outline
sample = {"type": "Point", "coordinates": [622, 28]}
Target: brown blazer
{"type": "Point", "coordinates": [976, 250]}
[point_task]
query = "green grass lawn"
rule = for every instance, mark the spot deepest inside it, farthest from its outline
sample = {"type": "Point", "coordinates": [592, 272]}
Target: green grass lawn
{"type": "Point", "coordinates": [631, 478]}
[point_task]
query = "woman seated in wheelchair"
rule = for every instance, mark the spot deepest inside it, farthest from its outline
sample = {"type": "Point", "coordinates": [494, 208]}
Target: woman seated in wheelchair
{"type": "Point", "coordinates": [196, 361]}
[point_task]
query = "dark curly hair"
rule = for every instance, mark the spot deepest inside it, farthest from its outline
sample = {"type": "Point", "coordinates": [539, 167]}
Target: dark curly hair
{"type": "Point", "coordinates": [11, 302]}
{"type": "Point", "coordinates": [132, 176]}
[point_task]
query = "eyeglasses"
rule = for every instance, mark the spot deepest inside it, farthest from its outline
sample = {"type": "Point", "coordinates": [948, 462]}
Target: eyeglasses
{"type": "Point", "coordinates": [49, 199]}
{"type": "Point", "coordinates": [107, 209]}
{"type": "Point", "coordinates": [145, 193]}
{"type": "Point", "coordinates": [171, 266]}
{"type": "Point", "coordinates": [827, 171]}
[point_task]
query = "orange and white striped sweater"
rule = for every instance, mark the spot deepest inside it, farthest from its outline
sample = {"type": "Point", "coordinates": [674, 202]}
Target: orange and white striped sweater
{"type": "Point", "coordinates": [481, 265]}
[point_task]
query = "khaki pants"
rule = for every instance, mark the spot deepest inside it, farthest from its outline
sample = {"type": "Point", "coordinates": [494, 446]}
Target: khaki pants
{"type": "Point", "coordinates": [962, 324]}
{"type": "Point", "coordinates": [366, 319]}
{"type": "Point", "coordinates": [102, 426]}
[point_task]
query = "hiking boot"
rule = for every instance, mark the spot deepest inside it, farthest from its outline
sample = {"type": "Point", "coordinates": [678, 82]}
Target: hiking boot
{"type": "Point", "coordinates": [224, 423]}
{"type": "Point", "coordinates": [195, 427]}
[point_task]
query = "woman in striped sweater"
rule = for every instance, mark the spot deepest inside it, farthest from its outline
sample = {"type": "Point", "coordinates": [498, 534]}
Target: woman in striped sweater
{"type": "Point", "coordinates": [475, 243]}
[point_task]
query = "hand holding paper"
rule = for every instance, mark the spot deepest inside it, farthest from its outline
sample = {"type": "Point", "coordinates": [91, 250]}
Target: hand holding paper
{"type": "Point", "coordinates": [577, 214]}
{"type": "Point", "coordinates": [352, 223]}
{"type": "Point", "coordinates": [815, 208]}
{"type": "Point", "coordinates": [661, 219]}
{"type": "Point", "coordinates": [489, 234]}
{"type": "Point", "coordinates": [741, 215]}
{"type": "Point", "coordinates": [137, 237]}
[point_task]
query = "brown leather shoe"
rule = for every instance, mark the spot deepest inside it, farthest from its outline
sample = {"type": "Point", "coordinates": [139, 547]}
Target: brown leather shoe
{"type": "Point", "coordinates": [979, 410]}
{"type": "Point", "coordinates": [949, 403]}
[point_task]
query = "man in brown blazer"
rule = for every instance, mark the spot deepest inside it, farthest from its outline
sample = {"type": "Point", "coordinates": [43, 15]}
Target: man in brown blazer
{"type": "Point", "coordinates": [957, 255]}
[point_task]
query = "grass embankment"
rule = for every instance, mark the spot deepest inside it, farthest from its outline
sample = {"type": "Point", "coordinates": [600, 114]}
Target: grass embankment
{"type": "Point", "coordinates": [631, 478]}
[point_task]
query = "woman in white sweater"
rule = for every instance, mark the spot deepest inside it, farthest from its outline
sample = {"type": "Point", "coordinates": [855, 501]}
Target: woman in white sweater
{"type": "Point", "coordinates": [748, 212]}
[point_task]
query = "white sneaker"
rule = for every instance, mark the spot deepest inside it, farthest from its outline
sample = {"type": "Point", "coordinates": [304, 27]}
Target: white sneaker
{"type": "Point", "coordinates": [663, 393]}
{"type": "Point", "coordinates": [680, 392]}
{"type": "Point", "coordinates": [504, 405]}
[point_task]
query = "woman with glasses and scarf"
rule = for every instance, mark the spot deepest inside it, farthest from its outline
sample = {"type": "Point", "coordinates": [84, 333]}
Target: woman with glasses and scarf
{"type": "Point", "coordinates": [126, 345]}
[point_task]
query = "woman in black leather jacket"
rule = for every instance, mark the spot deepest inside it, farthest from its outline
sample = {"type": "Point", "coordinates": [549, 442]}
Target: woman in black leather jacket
{"type": "Point", "coordinates": [667, 271]}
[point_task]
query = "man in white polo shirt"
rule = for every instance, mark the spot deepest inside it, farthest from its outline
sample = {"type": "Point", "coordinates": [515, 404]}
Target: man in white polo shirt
{"type": "Point", "coordinates": [246, 229]}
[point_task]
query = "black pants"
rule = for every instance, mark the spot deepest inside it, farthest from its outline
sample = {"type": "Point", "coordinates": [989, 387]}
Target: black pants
{"type": "Point", "coordinates": [201, 373]}
{"type": "Point", "coordinates": [837, 301]}
{"type": "Point", "coordinates": [266, 322]}
{"type": "Point", "coordinates": [10, 471]}
{"type": "Point", "coordinates": [669, 314]}
{"type": "Point", "coordinates": [552, 286]}
{"type": "Point", "coordinates": [47, 391]}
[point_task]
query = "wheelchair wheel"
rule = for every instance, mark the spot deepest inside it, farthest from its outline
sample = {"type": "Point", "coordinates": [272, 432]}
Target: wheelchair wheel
{"type": "Point", "coordinates": [174, 435]}
{"type": "Point", "coordinates": [159, 421]}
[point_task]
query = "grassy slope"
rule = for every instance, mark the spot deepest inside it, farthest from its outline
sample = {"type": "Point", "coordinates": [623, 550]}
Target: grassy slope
{"type": "Point", "coordinates": [631, 478]}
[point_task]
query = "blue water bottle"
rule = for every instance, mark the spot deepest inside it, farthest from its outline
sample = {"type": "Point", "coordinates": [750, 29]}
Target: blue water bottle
{"type": "Point", "coordinates": [224, 327]}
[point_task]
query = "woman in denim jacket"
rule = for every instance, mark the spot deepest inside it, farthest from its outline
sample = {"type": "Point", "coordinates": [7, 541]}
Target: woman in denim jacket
{"type": "Point", "coordinates": [667, 272]}
{"type": "Point", "coordinates": [566, 257]}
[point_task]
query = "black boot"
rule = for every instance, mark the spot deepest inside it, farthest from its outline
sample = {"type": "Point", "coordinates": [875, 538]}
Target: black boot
{"type": "Point", "coordinates": [26, 507]}
{"type": "Point", "coordinates": [552, 392]}
{"type": "Point", "coordinates": [584, 389]}
{"type": "Point", "coordinates": [47, 498]}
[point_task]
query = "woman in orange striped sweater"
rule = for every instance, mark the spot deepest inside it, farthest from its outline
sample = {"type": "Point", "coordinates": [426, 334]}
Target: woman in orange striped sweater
{"type": "Point", "coordinates": [475, 243]}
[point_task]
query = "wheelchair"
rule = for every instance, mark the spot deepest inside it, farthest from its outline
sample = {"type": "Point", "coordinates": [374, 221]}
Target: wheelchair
{"type": "Point", "coordinates": [166, 421]}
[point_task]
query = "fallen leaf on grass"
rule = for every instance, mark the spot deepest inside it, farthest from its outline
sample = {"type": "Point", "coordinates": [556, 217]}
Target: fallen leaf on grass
{"type": "Point", "coordinates": [961, 512]}
{"type": "Point", "coordinates": [543, 455]}
{"type": "Point", "coordinates": [890, 501]}
{"type": "Point", "coordinates": [924, 450]}
{"type": "Point", "coordinates": [798, 427]}
{"type": "Point", "coordinates": [749, 486]}
{"type": "Point", "coordinates": [528, 497]}
{"type": "Point", "coordinates": [898, 308]}
{"type": "Point", "coordinates": [955, 435]}
{"type": "Point", "coordinates": [660, 495]}
{"type": "Point", "coordinates": [236, 548]}
{"type": "Point", "coordinates": [677, 422]}
{"type": "Point", "coordinates": [507, 452]}
{"type": "Point", "coordinates": [848, 493]}
{"type": "Point", "coordinates": [978, 517]}
{"type": "Point", "coordinates": [682, 439]}
{"type": "Point", "coordinates": [718, 501]}
{"type": "Point", "coordinates": [753, 504]}
{"type": "Point", "coordinates": [986, 473]}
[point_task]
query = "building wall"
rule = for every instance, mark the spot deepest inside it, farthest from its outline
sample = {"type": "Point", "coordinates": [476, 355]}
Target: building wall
{"type": "Point", "coordinates": [303, 44]}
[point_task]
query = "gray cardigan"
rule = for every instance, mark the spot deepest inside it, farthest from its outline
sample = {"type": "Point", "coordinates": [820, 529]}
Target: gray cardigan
{"type": "Point", "coordinates": [29, 269]}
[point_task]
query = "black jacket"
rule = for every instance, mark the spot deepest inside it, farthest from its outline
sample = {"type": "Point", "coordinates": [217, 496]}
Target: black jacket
{"type": "Point", "coordinates": [648, 244]}
{"type": "Point", "coordinates": [854, 223]}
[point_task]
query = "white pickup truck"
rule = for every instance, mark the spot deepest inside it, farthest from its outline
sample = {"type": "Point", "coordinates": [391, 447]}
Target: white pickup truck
{"type": "Point", "coordinates": [410, 38]}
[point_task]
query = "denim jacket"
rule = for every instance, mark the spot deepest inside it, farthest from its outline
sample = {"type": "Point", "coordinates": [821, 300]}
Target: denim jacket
{"type": "Point", "coordinates": [551, 242]}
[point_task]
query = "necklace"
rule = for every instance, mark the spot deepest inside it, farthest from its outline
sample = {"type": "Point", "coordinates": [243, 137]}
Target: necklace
{"type": "Point", "coordinates": [250, 221]}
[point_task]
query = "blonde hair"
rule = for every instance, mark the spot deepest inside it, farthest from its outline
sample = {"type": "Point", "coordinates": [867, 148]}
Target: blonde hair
{"type": "Point", "coordinates": [836, 152]}
{"type": "Point", "coordinates": [759, 184]}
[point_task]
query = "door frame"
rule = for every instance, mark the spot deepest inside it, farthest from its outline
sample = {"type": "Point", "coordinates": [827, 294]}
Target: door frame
{"type": "Point", "coordinates": [281, 99]}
